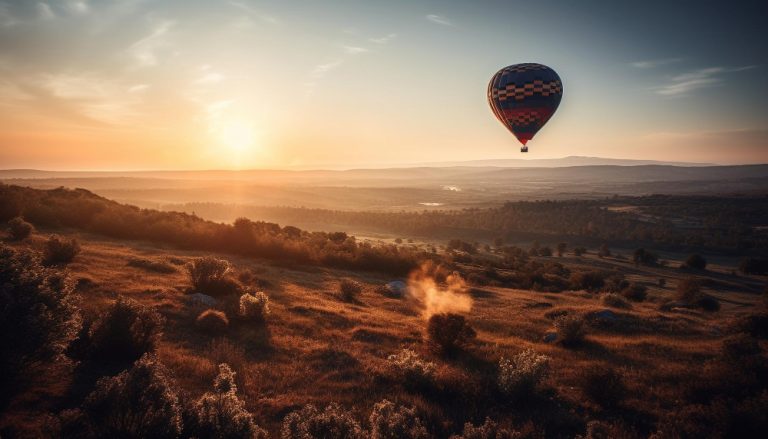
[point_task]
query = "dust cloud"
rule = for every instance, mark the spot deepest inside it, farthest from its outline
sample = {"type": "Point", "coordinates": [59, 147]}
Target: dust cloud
{"type": "Point", "coordinates": [438, 290]}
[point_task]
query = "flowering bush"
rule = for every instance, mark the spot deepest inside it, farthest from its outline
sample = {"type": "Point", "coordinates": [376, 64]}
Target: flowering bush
{"type": "Point", "coordinates": [411, 368]}
{"type": "Point", "coordinates": [311, 423]}
{"type": "Point", "coordinates": [254, 306]}
{"type": "Point", "coordinates": [389, 421]}
{"type": "Point", "coordinates": [521, 374]}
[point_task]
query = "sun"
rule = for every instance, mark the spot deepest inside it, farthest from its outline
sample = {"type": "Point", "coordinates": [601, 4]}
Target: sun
{"type": "Point", "coordinates": [237, 136]}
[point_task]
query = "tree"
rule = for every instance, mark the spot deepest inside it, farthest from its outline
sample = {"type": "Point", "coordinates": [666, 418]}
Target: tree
{"type": "Point", "coordinates": [561, 248]}
{"type": "Point", "coordinates": [604, 251]}
{"type": "Point", "coordinates": [695, 262]}
{"type": "Point", "coordinates": [644, 257]}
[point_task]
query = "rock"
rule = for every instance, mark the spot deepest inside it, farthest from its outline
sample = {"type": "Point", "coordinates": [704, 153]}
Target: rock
{"type": "Point", "coordinates": [397, 288]}
{"type": "Point", "coordinates": [201, 299]}
{"type": "Point", "coordinates": [605, 314]}
{"type": "Point", "coordinates": [550, 337]}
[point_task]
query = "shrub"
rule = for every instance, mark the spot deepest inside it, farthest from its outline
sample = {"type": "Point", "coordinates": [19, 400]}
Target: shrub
{"type": "Point", "coordinates": [615, 283]}
{"type": "Point", "coordinates": [519, 375]}
{"type": "Point", "coordinates": [213, 322]}
{"type": "Point", "coordinates": [644, 257]}
{"type": "Point", "coordinates": [254, 306]}
{"type": "Point", "coordinates": [587, 280]}
{"type": "Point", "coordinates": [58, 251]}
{"type": "Point", "coordinates": [221, 413]}
{"type": "Point", "coordinates": [615, 301]}
{"type": "Point", "coordinates": [211, 276]}
{"type": "Point", "coordinates": [604, 386]}
{"type": "Point", "coordinates": [755, 324]}
{"type": "Point", "coordinates": [708, 303]}
{"type": "Point", "coordinates": [488, 430]}
{"type": "Point", "coordinates": [310, 423]}
{"type": "Point", "coordinates": [570, 329]}
{"type": "Point", "coordinates": [124, 332]}
{"type": "Point", "coordinates": [689, 290]}
{"type": "Point", "coordinates": [349, 290]}
{"type": "Point", "coordinates": [39, 315]}
{"type": "Point", "coordinates": [695, 262]}
{"type": "Point", "coordinates": [604, 251]}
{"type": "Point", "coordinates": [389, 421]}
{"type": "Point", "coordinates": [449, 331]}
{"type": "Point", "coordinates": [19, 229]}
{"type": "Point", "coordinates": [150, 265]}
{"type": "Point", "coordinates": [754, 266]}
{"type": "Point", "coordinates": [139, 402]}
{"type": "Point", "coordinates": [411, 368]}
{"type": "Point", "coordinates": [635, 292]}
{"type": "Point", "coordinates": [662, 282]}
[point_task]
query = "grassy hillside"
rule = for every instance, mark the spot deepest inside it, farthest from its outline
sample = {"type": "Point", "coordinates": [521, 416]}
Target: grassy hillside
{"type": "Point", "coordinates": [659, 362]}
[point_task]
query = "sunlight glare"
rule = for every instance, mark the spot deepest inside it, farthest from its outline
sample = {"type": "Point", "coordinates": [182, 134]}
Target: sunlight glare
{"type": "Point", "coordinates": [238, 136]}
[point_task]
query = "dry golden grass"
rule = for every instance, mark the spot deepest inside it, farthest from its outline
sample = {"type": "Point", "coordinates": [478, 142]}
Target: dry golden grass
{"type": "Point", "coordinates": [317, 348]}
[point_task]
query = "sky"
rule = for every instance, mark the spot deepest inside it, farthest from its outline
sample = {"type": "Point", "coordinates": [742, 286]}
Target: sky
{"type": "Point", "coordinates": [241, 84]}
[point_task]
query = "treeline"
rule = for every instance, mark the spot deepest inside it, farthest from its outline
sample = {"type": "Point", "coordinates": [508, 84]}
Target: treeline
{"type": "Point", "coordinates": [685, 221]}
{"type": "Point", "coordinates": [83, 210]}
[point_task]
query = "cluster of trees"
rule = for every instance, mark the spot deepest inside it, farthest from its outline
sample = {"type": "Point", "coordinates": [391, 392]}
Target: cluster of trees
{"type": "Point", "coordinates": [724, 222]}
{"type": "Point", "coordinates": [83, 210]}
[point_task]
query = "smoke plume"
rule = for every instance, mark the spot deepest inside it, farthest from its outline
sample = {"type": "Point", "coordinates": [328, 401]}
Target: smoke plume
{"type": "Point", "coordinates": [438, 291]}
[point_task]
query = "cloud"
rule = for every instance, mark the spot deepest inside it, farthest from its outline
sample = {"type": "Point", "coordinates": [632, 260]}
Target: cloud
{"type": "Point", "coordinates": [255, 12]}
{"type": "Point", "coordinates": [145, 50]}
{"type": "Point", "coordinates": [439, 19]}
{"type": "Point", "coordinates": [653, 63]}
{"type": "Point", "coordinates": [685, 83]}
{"type": "Point", "coordinates": [354, 50]}
{"type": "Point", "coordinates": [321, 69]}
{"type": "Point", "coordinates": [383, 40]}
{"type": "Point", "coordinates": [44, 11]}
{"type": "Point", "coordinates": [78, 7]}
{"type": "Point", "coordinates": [138, 88]}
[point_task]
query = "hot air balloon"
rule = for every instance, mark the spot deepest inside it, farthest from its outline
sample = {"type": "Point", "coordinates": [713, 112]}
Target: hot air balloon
{"type": "Point", "coordinates": [523, 97]}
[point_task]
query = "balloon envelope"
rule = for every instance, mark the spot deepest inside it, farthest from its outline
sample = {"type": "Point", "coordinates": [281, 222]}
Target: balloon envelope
{"type": "Point", "coordinates": [523, 97]}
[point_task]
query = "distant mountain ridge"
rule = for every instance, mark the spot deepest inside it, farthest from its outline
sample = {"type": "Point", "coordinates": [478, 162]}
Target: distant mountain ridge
{"type": "Point", "coordinates": [564, 162]}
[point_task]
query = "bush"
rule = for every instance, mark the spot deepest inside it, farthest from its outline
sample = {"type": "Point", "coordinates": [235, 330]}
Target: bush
{"type": "Point", "coordinates": [587, 280]}
{"type": "Point", "coordinates": [578, 251]}
{"type": "Point", "coordinates": [349, 290]}
{"type": "Point", "coordinates": [604, 251]}
{"type": "Point", "coordinates": [604, 386]}
{"type": "Point", "coordinates": [695, 262]}
{"type": "Point", "coordinates": [150, 265]}
{"type": "Point", "coordinates": [254, 307]}
{"type": "Point", "coordinates": [409, 366]}
{"type": "Point", "coordinates": [755, 324]}
{"type": "Point", "coordinates": [19, 229]}
{"type": "Point", "coordinates": [310, 423]}
{"type": "Point", "coordinates": [615, 301]}
{"type": "Point", "coordinates": [212, 322]}
{"type": "Point", "coordinates": [635, 292]}
{"type": "Point", "coordinates": [139, 402]}
{"type": "Point", "coordinates": [689, 290]}
{"type": "Point", "coordinates": [644, 257]}
{"type": "Point", "coordinates": [221, 413]}
{"type": "Point", "coordinates": [570, 329]}
{"type": "Point", "coordinates": [389, 421]}
{"type": "Point", "coordinates": [212, 276]}
{"type": "Point", "coordinates": [449, 331]}
{"type": "Point", "coordinates": [58, 251]}
{"type": "Point", "coordinates": [488, 430]}
{"type": "Point", "coordinates": [708, 303]}
{"type": "Point", "coordinates": [123, 333]}
{"type": "Point", "coordinates": [754, 266]}
{"type": "Point", "coordinates": [519, 375]}
{"type": "Point", "coordinates": [39, 316]}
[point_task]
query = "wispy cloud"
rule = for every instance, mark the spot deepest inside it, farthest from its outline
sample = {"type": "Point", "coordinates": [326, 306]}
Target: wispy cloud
{"type": "Point", "coordinates": [321, 69]}
{"type": "Point", "coordinates": [653, 63]}
{"type": "Point", "coordinates": [688, 82]}
{"type": "Point", "coordinates": [354, 50]}
{"type": "Point", "coordinates": [44, 11]}
{"type": "Point", "coordinates": [383, 40]}
{"type": "Point", "coordinates": [145, 50]}
{"type": "Point", "coordinates": [439, 19]}
{"type": "Point", "coordinates": [255, 13]}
